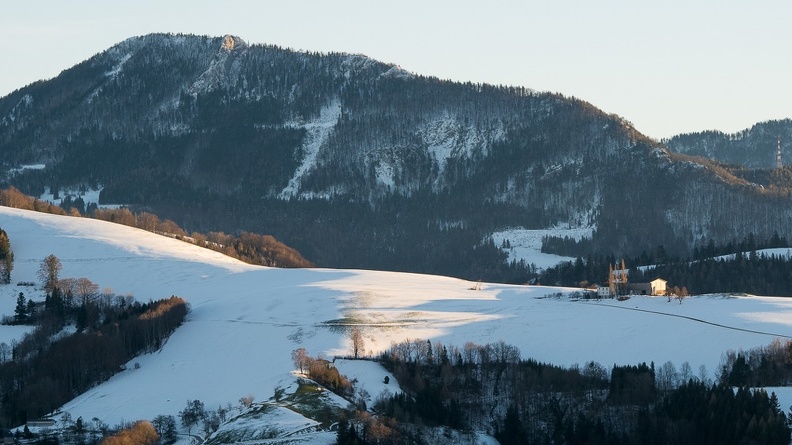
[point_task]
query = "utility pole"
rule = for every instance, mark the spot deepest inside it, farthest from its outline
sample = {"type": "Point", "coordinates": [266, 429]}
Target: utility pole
{"type": "Point", "coordinates": [778, 158]}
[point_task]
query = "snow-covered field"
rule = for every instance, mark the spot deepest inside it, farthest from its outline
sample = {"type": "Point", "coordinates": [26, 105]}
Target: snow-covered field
{"type": "Point", "coordinates": [246, 320]}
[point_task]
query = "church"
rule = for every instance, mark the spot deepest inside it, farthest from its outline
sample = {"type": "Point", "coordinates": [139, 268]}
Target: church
{"type": "Point", "coordinates": [618, 284]}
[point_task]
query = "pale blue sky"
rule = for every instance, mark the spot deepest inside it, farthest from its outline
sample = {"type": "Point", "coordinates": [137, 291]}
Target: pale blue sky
{"type": "Point", "coordinates": [667, 66]}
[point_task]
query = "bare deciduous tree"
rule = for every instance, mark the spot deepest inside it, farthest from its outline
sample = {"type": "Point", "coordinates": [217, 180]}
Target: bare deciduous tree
{"type": "Point", "coordinates": [301, 359]}
{"type": "Point", "coordinates": [165, 426]}
{"type": "Point", "coordinates": [85, 289]}
{"type": "Point", "coordinates": [357, 341]}
{"type": "Point", "coordinates": [48, 272]}
{"type": "Point", "coordinates": [147, 221]}
{"type": "Point", "coordinates": [192, 413]}
{"type": "Point", "coordinates": [141, 433]}
{"type": "Point", "coordinates": [247, 400]}
{"type": "Point", "coordinates": [667, 377]}
{"type": "Point", "coordinates": [5, 352]}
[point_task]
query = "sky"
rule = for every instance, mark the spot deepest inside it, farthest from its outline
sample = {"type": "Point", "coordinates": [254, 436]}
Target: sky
{"type": "Point", "coordinates": [669, 67]}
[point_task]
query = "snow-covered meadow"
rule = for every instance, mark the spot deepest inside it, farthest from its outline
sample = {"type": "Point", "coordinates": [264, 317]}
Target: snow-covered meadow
{"type": "Point", "coordinates": [246, 320]}
{"type": "Point", "coordinates": [526, 244]}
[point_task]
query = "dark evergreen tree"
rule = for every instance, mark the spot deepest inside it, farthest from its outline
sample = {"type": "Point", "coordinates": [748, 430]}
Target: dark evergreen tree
{"type": "Point", "coordinates": [21, 310]}
{"type": "Point", "coordinates": [31, 309]}
{"type": "Point", "coordinates": [347, 433]}
{"type": "Point", "coordinates": [512, 431]}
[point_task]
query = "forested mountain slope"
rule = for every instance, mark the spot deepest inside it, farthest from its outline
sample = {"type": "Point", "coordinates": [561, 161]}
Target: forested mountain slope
{"type": "Point", "coordinates": [755, 147]}
{"type": "Point", "coordinates": [357, 163]}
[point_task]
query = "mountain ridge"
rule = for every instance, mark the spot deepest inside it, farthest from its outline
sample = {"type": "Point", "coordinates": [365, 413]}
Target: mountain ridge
{"type": "Point", "coordinates": [754, 147]}
{"type": "Point", "coordinates": [401, 171]}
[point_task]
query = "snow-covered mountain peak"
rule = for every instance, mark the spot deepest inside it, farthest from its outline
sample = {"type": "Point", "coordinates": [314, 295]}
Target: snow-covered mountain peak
{"type": "Point", "coordinates": [222, 71]}
{"type": "Point", "coordinates": [397, 71]}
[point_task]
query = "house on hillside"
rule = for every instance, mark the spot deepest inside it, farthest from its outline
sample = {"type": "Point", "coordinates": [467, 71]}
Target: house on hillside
{"type": "Point", "coordinates": [653, 288]}
{"type": "Point", "coordinates": [658, 286]}
{"type": "Point", "coordinates": [619, 284]}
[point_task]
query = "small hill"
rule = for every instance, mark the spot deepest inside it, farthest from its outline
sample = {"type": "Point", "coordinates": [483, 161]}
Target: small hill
{"type": "Point", "coordinates": [246, 320]}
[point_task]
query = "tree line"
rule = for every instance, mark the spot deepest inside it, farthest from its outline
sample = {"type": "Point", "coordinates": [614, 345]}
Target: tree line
{"type": "Point", "coordinates": [47, 367]}
{"type": "Point", "coordinates": [710, 270]}
{"type": "Point", "coordinates": [769, 365]}
{"type": "Point", "coordinates": [489, 387]}
{"type": "Point", "coordinates": [248, 247]}
{"type": "Point", "coordinates": [755, 274]}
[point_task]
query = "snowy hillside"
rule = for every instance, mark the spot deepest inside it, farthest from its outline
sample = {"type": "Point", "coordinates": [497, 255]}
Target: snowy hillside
{"type": "Point", "coordinates": [246, 320]}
